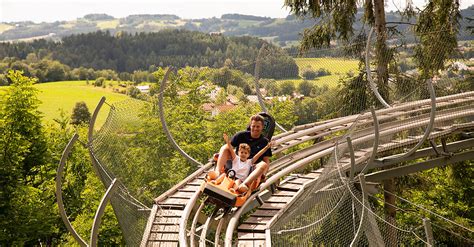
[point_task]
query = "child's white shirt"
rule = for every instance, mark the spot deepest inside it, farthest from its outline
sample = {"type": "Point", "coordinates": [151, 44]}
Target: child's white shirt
{"type": "Point", "coordinates": [241, 168]}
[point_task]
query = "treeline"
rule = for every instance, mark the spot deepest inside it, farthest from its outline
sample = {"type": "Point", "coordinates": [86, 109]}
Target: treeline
{"type": "Point", "coordinates": [124, 52]}
{"type": "Point", "coordinates": [47, 70]}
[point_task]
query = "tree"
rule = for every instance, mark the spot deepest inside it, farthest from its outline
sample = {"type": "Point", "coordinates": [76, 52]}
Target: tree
{"type": "Point", "coordinates": [308, 73]}
{"type": "Point", "coordinates": [339, 17]}
{"type": "Point", "coordinates": [99, 82]}
{"type": "Point", "coordinates": [221, 97]}
{"type": "Point", "coordinates": [287, 88]}
{"type": "Point", "coordinates": [80, 114]}
{"type": "Point", "coordinates": [307, 110]}
{"type": "Point", "coordinates": [23, 154]}
{"type": "Point", "coordinates": [305, 88]}
{"type": "Point", "coordinates": [437, 27]}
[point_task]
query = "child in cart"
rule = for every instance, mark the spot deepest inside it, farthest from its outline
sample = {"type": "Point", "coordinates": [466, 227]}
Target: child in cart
{"type": "Point", "coordinates": [241, 164]}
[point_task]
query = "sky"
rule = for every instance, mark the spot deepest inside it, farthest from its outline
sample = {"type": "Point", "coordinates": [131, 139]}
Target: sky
{"type": "Point", "coordinates": [65, 10]}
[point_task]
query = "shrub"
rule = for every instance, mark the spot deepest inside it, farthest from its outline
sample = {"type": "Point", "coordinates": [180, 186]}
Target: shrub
{"type": "Point", "coordinates": [308, 73]}
{"type": "Point", "coordinates": [99, 82]}
{"type": "Point", "coordinates": [322, 72]}
{"type": "Point", "coordinates": [134, 92]}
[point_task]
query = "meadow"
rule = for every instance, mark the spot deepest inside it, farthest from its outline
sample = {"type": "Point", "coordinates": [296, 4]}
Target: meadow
{"type": "Point", "coordinates": [337, 66]}
{"type": "Point", "coordinates": [63, 95]}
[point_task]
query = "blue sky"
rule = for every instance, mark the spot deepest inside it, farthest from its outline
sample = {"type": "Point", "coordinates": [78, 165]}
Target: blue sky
{"type": "Point", "coordinates": [58, 10]}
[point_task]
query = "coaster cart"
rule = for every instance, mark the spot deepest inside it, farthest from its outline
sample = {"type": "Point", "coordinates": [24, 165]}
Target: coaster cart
{"type": "Point", "coordinates": [220, 194]}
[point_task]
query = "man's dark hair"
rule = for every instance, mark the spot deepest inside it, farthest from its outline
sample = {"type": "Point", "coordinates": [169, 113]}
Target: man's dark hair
{"type": "Point", "coordinates": [257, 118]}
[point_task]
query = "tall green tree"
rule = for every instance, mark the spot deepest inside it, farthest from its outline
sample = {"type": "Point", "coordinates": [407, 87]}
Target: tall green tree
{"type": "Point", "coordinates": [337, 19]}
{"type": "Point", "coordinates": [437, 26]}
{"type": "Point", "coordinates": [80, 114]}
{"type": "Point", "coordinates": [24, 214]}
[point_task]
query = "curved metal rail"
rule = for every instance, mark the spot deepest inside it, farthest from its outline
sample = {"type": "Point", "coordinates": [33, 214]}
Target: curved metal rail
{"type": "Point", "coordinates": [100, 211]}
{"type": "Point", "coordinates": [165, 125]}
{"type": "Point", "coordinates": [183, 205]}
{"type": "Point", "coordinates": [302, 162]}
{"type": "Point", "coordinates": [372, 84]}
{"type": "Point", "coordinates": [257, 86]}
{"type": "Point", "coordinates": [430, 124]}
{"type": "Point", "coordinates": [94, 118]}
{"type": "Point", "coordinates": [59, 192]}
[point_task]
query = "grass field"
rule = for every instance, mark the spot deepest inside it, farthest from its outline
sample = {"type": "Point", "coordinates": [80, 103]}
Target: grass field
{"type": "Point", "coordinates": [64, 95]}
{"type": "Point", "coordinates": [337, 66]}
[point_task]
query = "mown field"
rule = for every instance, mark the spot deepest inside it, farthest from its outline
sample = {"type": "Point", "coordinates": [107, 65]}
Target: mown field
{"type": "Point", "coordinates": [337, 66]}
{"type": "Point", "coordinates": [64, 95]}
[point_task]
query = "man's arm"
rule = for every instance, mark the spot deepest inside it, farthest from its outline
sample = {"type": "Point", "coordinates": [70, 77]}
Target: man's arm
{"type": "Point", "coordinates": [229, 146]}
{"type": "Point", "coordinates": [261, 152]}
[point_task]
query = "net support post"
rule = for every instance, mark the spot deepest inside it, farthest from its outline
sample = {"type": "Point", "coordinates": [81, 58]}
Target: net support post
{"type": "Point", "coordinates": [372, 84]}
{"type": "Point", "coordinates": [100, 212]}
{"type": "Point", "coordinates": [351, 152]}
{"type": "Point", "coordinates": [364, 209]}
{"type": "Point", "coordinates": [257, 86]}
{"type": "Point", "coordinates": [428, 232]}
{"type": "Point", "coordinates": [376, 140]}
{"type": "Point", "coordinates": [94, 118]}
{"type": "Point", "coordinates": [59, 193]}
{"type": "Point", "coordinates": [165, 125]}
{"type": "Point", "coordinates": [428, 128]}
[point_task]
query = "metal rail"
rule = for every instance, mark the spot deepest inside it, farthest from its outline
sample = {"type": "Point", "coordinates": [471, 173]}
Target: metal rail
{"type": "Point", "coordinates": [165, 125]}
{"type": "Point", "coordinates": [94, 118]}
{"type": "Point", "coordinates": [100, 211]}
{"type": "Point", "coordinates": [364, 210]}
{"type": "Point", "coordinates": [304, 161]}
{"type": "Point", "coordinates": [430, 124]}
{"type": "Point", "coordinates": [257, 86]}
{"type": "Point", "coordinates": [59, 192]}
{"type": "Point", "coordinates": [372, 84]}
{"type": "Point", "coordinates": [376, 141]}
{"type": "Point", "coordinates": [300, 134]}
{"type": "Point", "coordinates": [184, 219]}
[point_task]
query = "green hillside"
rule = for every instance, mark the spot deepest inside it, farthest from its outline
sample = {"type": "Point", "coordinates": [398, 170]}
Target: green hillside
{"type": "Point", "coordinates": [282, 31]}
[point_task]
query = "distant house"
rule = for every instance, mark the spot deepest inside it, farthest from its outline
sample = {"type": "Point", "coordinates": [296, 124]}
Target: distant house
{"type": "Point", "coordinates": [215, 33]}
{"type": "Point", "coordinates": [214, 92]}
{"type": "Point", "coordinates": [144, 88]}
{"type": "Point", "coordinates": [297, 96]}
{"type": "Point", "coordinates": [252, 98]}
{"type": "Point", "coordinates": [216, 109]}
{"type": "Point", "coordinates": [232, 99]}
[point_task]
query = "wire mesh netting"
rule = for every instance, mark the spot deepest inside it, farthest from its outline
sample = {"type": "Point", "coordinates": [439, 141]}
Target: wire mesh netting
{"type": "Point", "coordinates": [114, 158]}
{"type": "Point", "coordinates": [333, 211]}
{"type": "Point", "coordinates": [328, 85]}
